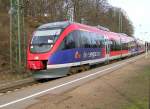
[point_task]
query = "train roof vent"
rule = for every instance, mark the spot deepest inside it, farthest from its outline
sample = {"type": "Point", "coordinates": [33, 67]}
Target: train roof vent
{"type": "Point", "coordinates": [102, 28]}
{"type": "Point", "coordinates": [123, 34]}
{"type": "Point", "coordinates": [62, 24]}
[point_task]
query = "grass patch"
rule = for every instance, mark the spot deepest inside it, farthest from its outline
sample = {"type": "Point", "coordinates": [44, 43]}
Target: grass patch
{"type": "Point", "coordinates": [138, 91]}
{"type": "Point", "coordinates": [138, 105]}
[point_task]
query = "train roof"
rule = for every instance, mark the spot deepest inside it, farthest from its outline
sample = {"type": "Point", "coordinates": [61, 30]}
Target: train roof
{"type": "Point", "coordinates": [62, 24]}
{"type": "Point", "coordinates": [102, 28]}
{"type": "Point", "coordinates": [123, 34]}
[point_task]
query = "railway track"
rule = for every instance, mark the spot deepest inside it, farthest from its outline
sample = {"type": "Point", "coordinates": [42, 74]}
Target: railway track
{"type": "Point", "coordinates": [17, 87]}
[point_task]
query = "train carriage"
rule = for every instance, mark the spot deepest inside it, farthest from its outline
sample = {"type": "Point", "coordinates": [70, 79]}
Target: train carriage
{"type": "Point", "coordinates": [58, 48]}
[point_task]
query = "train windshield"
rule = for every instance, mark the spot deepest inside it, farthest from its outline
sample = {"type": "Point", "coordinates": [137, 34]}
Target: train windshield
{"type": "Point", "coordinates": [43, 40]}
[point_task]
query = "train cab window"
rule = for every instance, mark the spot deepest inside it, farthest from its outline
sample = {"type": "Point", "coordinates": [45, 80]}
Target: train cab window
{"type": "Point", "coordinates": [43, 40]}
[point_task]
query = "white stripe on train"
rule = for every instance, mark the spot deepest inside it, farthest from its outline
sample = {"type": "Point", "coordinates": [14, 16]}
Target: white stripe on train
{"type": "Point", "coordinates": [75, 63]}
{"type": "Point", "coordinates": [85, 62]}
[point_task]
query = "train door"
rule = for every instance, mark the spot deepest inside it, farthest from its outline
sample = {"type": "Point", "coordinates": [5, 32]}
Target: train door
{"type": "Point", "coordinates": [107, 47]}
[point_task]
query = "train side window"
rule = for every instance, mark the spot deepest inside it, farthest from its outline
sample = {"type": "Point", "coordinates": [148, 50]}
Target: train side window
{"type": "Point", "coordinates": [70, 42]}
{"type": "Point", "coordinates": [93, 40]}
{"type": "Point", "coordinates": [124, 45]}
{"type": "Point", "coordinates": [118, 46]}
{"type": "Point", "coordinates": [113, 45]}
{"type": "Point", "coordinates": [87, 40]}
{"type": "Point", "coordinates": [83, 40]}
{"type": "Point", "coordinates": [100, 41]}
{"type": "Point", "coordinates": [77, 38]}
{"type": "Point", "coordinates": [90, 40]}
{"type": "Point", "coordinates": [73, 40]}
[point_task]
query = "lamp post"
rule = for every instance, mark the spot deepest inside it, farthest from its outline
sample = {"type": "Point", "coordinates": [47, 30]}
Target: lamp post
{"type": "Point", "coordinates": [144, 34]}
{"type": "Point", "coordinates": [16, 34]}
{"type": "Point", "coordinates": [146, 46]}
{"type": "Point", "coordinates": [120, 20]}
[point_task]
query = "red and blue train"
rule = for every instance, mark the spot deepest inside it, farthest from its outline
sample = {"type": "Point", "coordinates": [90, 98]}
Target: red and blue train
{"type": "Point", "coordinates": [60, 48]}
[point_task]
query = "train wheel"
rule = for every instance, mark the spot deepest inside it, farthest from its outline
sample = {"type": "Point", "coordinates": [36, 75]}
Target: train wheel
{"type": "Point", "coordinates": [73, 70]}
{"type": "Point", "coordinates": [82, 68]}
{"type": "Point", "coordinates": [87, 67]}
{"type": "Point", "coordinates": [107, 62]}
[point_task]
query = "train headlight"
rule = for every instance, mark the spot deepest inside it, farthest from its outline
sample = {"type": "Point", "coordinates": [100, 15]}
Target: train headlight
{"type": "Point", "coordinates": [36, 58]}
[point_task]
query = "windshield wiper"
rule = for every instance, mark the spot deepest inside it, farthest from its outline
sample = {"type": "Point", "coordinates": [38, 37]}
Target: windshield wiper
{"type": "Point", "coordinates": [40, 44]}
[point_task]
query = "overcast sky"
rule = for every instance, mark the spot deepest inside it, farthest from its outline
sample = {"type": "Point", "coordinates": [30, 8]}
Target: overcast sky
{"type": "Point", "coordinates": [139, 13]}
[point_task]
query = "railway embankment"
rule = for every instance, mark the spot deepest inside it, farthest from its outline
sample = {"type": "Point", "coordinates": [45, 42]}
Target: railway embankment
{"type": "Point", "coordinates": [10, 79]}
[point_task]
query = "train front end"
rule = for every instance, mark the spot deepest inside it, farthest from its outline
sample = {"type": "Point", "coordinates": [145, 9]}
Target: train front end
{"type": "Point", "coordinates": [40, 49]}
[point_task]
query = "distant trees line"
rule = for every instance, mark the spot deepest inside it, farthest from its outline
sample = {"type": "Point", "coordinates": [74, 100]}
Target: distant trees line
{"type": "Point", "coordinates": [92, 12]}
